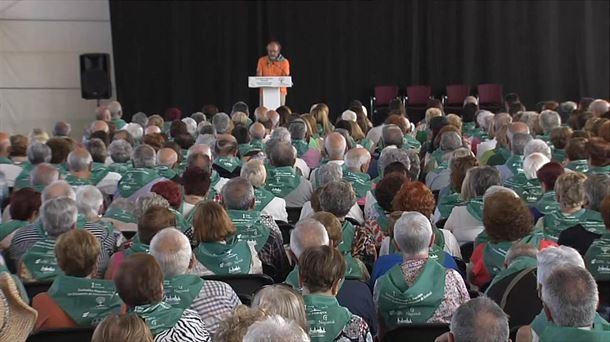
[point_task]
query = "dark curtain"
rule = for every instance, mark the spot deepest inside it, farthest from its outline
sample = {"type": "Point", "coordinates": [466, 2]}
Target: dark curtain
{"type": "Point", "coordinates": [187, 54]}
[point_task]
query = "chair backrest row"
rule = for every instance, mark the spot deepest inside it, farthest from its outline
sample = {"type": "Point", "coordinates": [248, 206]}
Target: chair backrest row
{"type": "Point", "coordinates": [489, 93]}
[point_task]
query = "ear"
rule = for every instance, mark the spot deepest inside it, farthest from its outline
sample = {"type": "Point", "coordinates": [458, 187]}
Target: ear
{"type": "Point", "coordinates": [547, 312]}
{"type": "Point", "coordinates": [336, 286]}
{"type": "Point", "coordinates": [432, 239]}
{"type": "Point", "coordinates": [253, 203]}
{"type": "Point", "coordinates": [450, 337]}
{"type": "Point", "coordinates": [192, 262]}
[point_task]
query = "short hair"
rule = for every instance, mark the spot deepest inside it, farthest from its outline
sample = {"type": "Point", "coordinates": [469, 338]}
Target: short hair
{"type": "Point", "coordinates": [298, 129]}
{"type": "Point", "coordinates": [519, 249]}
{"type": "Point", "coordinates": [560, 137]}
{"type": "Point", "coordinates": [320, 267]}
{"type": "Point", "coordinates": [59, 188]}
{"type": "Point", "coordinates": [89, 200]}
{"type": "Point", "coordinates": [191, 125]}
{"type": "Point", "coordinates": [576, 149]}
{"type": "Point", "coordinates": [115, 109]}
{"type": "Point", "coordinates": [549, 120]}
{"type": "Point", "coordinates": [120, 151]}
{"type": "Point", "coordinates": [518, 142]}
{"type": "Point", "coordinates": [225, 144]}
{"type": "Point", "coordinates": [338, 150]}
{"type": "Point", "coordinates": [570, 189]}
{"type": "Point", "coordinates": [571, 295]}
{"type": "Point", "coordinates": [39, 153]}
{"type": "Point", "coordinates": [282, 300]}
{"type": "Point", "coordinates": [139, 280]}
{"type": "Point", "coordinates": [170, 191]}
{"type": "Point", "coordinates": [196, 181]}
{"type": "Point", "coordinates": [549, 173]}
{"type": "Point", "coordinates": [450, 141]}
{"type": "Point", "coordinates": [211, 223]}
{"type": "Point", "coordinates": [506, 217]}
{"type": "Point", "coordinates": [276, 328]}
{"type": "Point", "coordinates": [61, 129]}
{"type": "Point", "coordinates": [221, 123]}
{"type": "Point", "coordinates": [24, 203]}
{"type": "Point", "coordinates": [332, 225]}
{"type": "Point", "coordinates": [337, 197]}
{"type": "Point", "coordinates": [238, 194]}
{"type": "Point", "coordinates": [122, 327]}
{"type": "Point", "coordinates": [551, 258]}
{"type": "Point", "coordinates": [234, 327]}
{"type": "Point", "coordinates": [140, 118]}
{"type": "Point", "coordinates": [599, 152]}
{"type": "Point", "coordinates": [597, 187]}
{"type": "Point", "coordinates": [477, 180]}
{"type": "Point", "coordinates": [58, 215]}
{"type": "Point", "coordinates": [414, 196]}
{"type": "Point", "coordinates": [77, 252]}
{"type": "Point", "coordinates": [135, 130]}
{"type": "Point", "coordinates": [392, 135]}
{"type": "Point", "coordinates": [537, 145]}
{"type": "Point", "coordinates": [172, 250]}
{"type": "Point", "coordinates": [79, 160]}
{"type": "Point", "coordinates": [144, 156]}
{"type": "Point", "coordinates": [19, 145]}
{"type": "Point", "coordinates": [391, 155]}
{"type": "Point", "coordinates": [307, 233]}
{"type": "Point", "coordinates": [532, 163]}
{"type": "Point", "coordinates": [281, 154]}
{"type": "Point", "coordinates": [152, 221]}
{"type": "Point", "coordinates": [387, 188]}
{"type": "Point", "coordinates": [60, 148]}
{"type": "Point", "coordinates": [328, 172]}
{"type": "Point", "coordinates": [356, 157]}
{"type": "Point", "coordinates": [44, 174]}
{"type": "Point", "coordinates": [458, 168]}
{"type": "Point", "coordinates": [199, 117]}
{"type": "Point", "coordinates": [254, 171]}
{"type": "Point", "coordinates": [413, 233]}
{"type": "Point", "coordinates": [97, 148]}
{"type": "Point", "coordinates": [479, 320]}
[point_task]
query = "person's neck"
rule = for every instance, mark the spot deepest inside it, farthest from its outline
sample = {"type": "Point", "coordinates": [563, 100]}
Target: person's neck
{"type": "Point", "coordinates": [193, 199]}
{"type": "Point", "coordinates": [418, 257]}
{"type": "Point", "coordinates": [327, 293]}
{"type": "Point", "coordinates": [84, 174]}
{"type": "Point", "coordinates": [571, 210]}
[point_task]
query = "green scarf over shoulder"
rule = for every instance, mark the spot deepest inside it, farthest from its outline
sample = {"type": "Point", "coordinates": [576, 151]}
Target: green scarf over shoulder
{"type": "Point", "coordinates": [159, 317]}
{"type": "Point", "coordinates": [263, 198]}
{"type": "Point", "coordinates": [349, 231]}
{"type": "Point", "coordinates": [541, 322]}
{"type": "Point", "coordinates": [361, 182]}
{"type": "Point", "coordinates": [249, 227]}
{"type": "Point", "coordinates": [301, 146]}
{"type": "Point", "coordinates": [228, 163]}
{"type": "Point", "coordinates": [519, 264]}
{"type": "Point", "coordinates": [598, 258]}
{"type": "Point", "coordinates": [220, 258]}
{"type": "Point", "coordinates": [181, 290]}
{"type": "Point", "coordinates": [135, 179]}
{"type": "Point", "coordinates": [325, 316]}
{"type": "Point", "coordinates": [9, 227]}
{"type": "Point", "coordinates": [557, 221]}
{"type": "Point", "coordinates": [282, 180]}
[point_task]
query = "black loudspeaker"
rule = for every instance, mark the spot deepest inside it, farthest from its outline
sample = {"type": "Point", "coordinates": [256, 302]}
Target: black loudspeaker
{"type": "Point", "coordinates": [95, 76]}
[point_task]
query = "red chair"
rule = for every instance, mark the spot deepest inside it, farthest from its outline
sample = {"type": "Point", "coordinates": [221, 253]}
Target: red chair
{"type": "Point", "coordinates": [455, 95]}
{"type": "Point", "coordinates": [417, 101]}
{"type": "Point", "coordinates": [383, 95]}
{"type": "Point", "coordinates": [491, 96]}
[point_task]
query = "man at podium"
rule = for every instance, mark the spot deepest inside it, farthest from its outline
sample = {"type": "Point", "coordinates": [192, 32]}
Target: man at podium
{"type": "Point", "coordinates": [274, 64]}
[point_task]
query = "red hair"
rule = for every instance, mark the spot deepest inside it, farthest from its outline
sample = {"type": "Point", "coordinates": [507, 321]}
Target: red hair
{"type": "Point", "coordinates": [24, 202]}
{"type": "Point", "coordinates": [414, 196]}
{"type": "Point", "coordinates": [170, 191]}
{"type": "Point", "coordinates": [172, 114]}
{"type": "Point", "coordinates": [549, 173]}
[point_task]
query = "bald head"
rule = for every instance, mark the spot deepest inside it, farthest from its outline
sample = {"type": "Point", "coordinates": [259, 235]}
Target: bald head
{"type": "Point", "coordinates": [307, 233]}
{"type": "Point", "coordinates": [599, 107]}
{"type": "Point", "coordinates": [358, 159]}
{"type": "Point", "coordinates": [102, 113]}
{"type": "Point", "coordinates": [261, 112]}
{"type": "Point", "coordinates": [172, 250]}
{"type": "Point", "coordinates": [200, 148]}
{"type": "Point", "coordinates": [79, 160]}
{"type": "Point", "coordinates": [44, 174]}
{"type": "Point", "coordinates": [335, 145]}
{"type": "Point", "coordinates": [152, 129]}
{"type": "Point", "coordinates": [167, 157]}
{"type": "Point", "coordinates": [257, 131]}
{"type": "Point", "coordinates": [5, 144]}
{"type": "Point", "coordinates": [58, 189]}
{"type": "Point", "coordinates": [517, 127]}
{"type": "Point", "coordinates": [99, 125]}
{"type": "Point", "coordinates": [274, 117]}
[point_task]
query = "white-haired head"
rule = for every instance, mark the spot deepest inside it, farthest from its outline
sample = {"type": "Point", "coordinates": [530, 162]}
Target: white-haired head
{"type": "Point", "coordinates": [191, 125]}
{"type": "Point", "coordinates": [553, 257]}
{"type": "Point", "coordinates": [532, 163]}
{"type": "Point", "coordinates": [349, 115]}
{"type": "Point", "coordinates": [135, 130]}
{"type": "Point", "coordinates": [58, 189]}
{"type": "Point", "coordinates": [498, 188]}
{"type": "Point", "coordinates": [275, 328]}
{"type": "Point", "coordinates": [307, 233]}
{"type": "Point", "coordinates": [172, 250]}
{"type": "Point", "coordinates": [549, 120]}
{"type": "Point", "coordinates": [537, 145]}
{"type": "Point", "coordinates": [89, 200]}
{"type": "Point", "coordinates": [413, 234]}
{"type": "Point", "coordinates": [482, 118]}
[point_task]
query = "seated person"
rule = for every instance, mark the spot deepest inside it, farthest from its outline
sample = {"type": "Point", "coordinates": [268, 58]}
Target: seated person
{"type": "Point", "coordinates": [167, 162]}
{"type": "Point", "coordinates": [23, 208]}
{"type": "Point", "coordinates": [18, 315]}
{"type": "Point", "coordinates": [239, 200]}
{"type": "Point", "coordinates": [355, 171]}
{"type": "Point", "coordinates": [547, 203]}
{"type": "Point", "coordinates": [597, 257]}
{"type": "Point", "coordinates": [122, 327]}
{"type": "Point", "coordinates": [283, 180]}
{"type": "Point", "coordinates": [84, 172]}
{"type": "Point", "coordinates": [559, 139]}
{"type": "Point", "coordinates": [217, 250]}
{"type": "Point", "coordinates": [37, 153]}
{"type": "Point", "coordinates": [302, 143]}
{"type": "Point", "coordinates": [139, 283]}
{"type": "Point", "coordinates": [321, 272]}
{"type": "Point", "coordinates": [120, 214]}
{"type": "Point", "coordinates": [479, 319]}
{"type": "Point", "coordinates": [172, 192]}
{"type": "Point", "coordinates": [75, 299]}
{"type": "Point", "coordinates": [234, 328]}
{"type": "Point", "coordinates": [196, 184]}
{"type": "Point", "coordinates": [152, 221]}
{"type": "Point", "coordinates": [599, 156]}
{"type": "Point", "coordinates": [212, 300]}
{"type": "Point", "coordinates": [266, 202]}
{"type": "Point", "coordinates": [526, 184]}
{"type": "Point", "coordinates": [120, 156]}
{"type": "Point", "coordinates": [282, 300]}
{"type": "Point", "coordinates": [398, 293]}
{"type": "Point", "coordinates": [276, 328]}
{"type": "Point", "coordinates": [139, 179]}
{"type": "Point", "coordinates": [449, 196]}
{"type": "Point", "coordinates": [226, 163]}
{"type": "Point", "coordinates": [576, 155]}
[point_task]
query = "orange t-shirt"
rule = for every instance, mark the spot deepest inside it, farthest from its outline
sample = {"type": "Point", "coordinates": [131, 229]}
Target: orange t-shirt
{"type": "Point", "coordinates": [50, 315]}
{"type": "Point", "coordinates": [267, 67]}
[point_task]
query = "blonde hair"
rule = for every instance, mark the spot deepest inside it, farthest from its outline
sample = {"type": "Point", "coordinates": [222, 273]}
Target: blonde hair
{"type": "Point", "coordinates": [357, 132]}
{"type": "Point", "coordinates": [38, 135]}
{"type": "Point", "coordinates": [124, 328]}
{"type": "Point", "coordinates": [254, 171]}
{"type": "Point", "coordinates": [239, 118]}
{"type": "Point", "coordinates": [570, 189]}
{"type": "Point", "coordinates": [455, 120]}
{"type": "Point", "coordinates": [211, 223]}
{"type": "Point", "coordinates": [320, 112]}
{"type": "Point", "coordinates": [432, 113]}
{"type": "Point", "coordinates": [77, 252]}
{"type": "Point", "coordinates": [310, 123]}
{"type": "Point", "coordinates": [234, 327]}
{"type": "Point", "coordinates": [332, 225]}
{"type": "Point", "coordinates": [281, 300]}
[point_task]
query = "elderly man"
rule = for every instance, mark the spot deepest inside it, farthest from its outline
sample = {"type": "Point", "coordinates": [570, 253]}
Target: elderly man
{"type": "Point", "coordinates": [480, 320]}
{"type": "Point", "coordinates": [120, 156]}
{"type": "Point", "coordinates": [599, 107]}
{"type": "Point", "coordinates": [499, 120]}
{"type": "Point", "coordinates": [62, 129]}
{"type": "Point", "coordinates": [502, 154]}
{"type": "Point", "coordinates": [266, 202]}
{"type": "Point", "coordinates": [257, 136]}
{"type": "Point", "coordinates": [514, 164]}
{"type": "Point", "coordinates": [82, 172]}
{"type": "Point", "coordinates": [298, 135]}
{"type": "Point", "coordinates": [282, 178]}
{"type": "Point", "coordinates": [167, 162]}
{"type": "Point", "coordinates": [99, 126]}
{"type": "Point", "coordinates": [116, 112]}
{"type": "Point", "coordinates": [7, 166]}
{"type": "Point", "coordinates": [357, 161]}
{"type": "Point", "coordinates": [274, 117]}
{"type": "Point", "coordinates": [42, 175]}
{"type": "Point", "coordinates": [391, 135]}
{"type": "Point", "coordinates": [420, 290]}
{"type": "Point", "coordinates": [222, 123]}
{"type": "Point", "coordinates": [212, 300]}
{"type": "Point", "coordinates": [549, 120]}
{"type": "Point", "coordinates": [226, 162]}
{"type": "Point", "coordinates": [140, 179]}
{"type": "Point", "coordinates": [438, 174]}
{"type": "Point", "coordinates": [274, 64]}
{"type": "Point", "coordinates": [335, 147]}
{"type": "Point", "coordinates": [37, 153]}
{"type": "Point", "coordinates": [239, 200]}
{"type": "Point", "coordinates": [281, 135]}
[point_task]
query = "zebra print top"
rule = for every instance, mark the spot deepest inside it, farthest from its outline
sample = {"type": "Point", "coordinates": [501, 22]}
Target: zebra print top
{"type": "Point", "coordinates": [189, 328]}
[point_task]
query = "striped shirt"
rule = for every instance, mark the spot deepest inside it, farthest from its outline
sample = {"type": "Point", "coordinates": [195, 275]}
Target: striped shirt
{"type": "Point", "coordinates": [189, 328]}
{"type": "Point", "coordinates": [216, 301]}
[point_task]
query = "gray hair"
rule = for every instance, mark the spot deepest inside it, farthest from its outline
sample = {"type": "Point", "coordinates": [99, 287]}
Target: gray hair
{"type": "Point", "coordinates": [59, 188]}
{"type": "Point", "coordinates": [44, 174]}
{"type": "Point", "coordinates": [140, 118]}
{"type": "Point", "coordinates": [450, 141]}
{"type": "Point", "coordinates": [297, 129]}
{"type": "Point", "coordinates": [172, 250]}
{"type": "Point", "coordinates": [549, 119]}
{"type": "Point", "coordinates": [135, 130]}
{"type": "Point", "coordinates": [520, 250]}
{"type": "Point", "coordinates": [537, 145]}
{"type": "Point", "coordinates": [391, 155]}
{"type": "Point", "coordinates": [199, 117]}
{"type": "Point", "coordinates": [413, 234]}
{"type": "Point", "coordinates": [551, 258]}
{"type": "Point", "coordinates": [144, 156]}
{"type": "Point", "coordinates": [79, 161]}
{"type": "Point", "coordinates": [120, 151]}
{"type": "Point", "coordinates": [191, 125]}
{"type": "Point", "coordinates": [38, 153]}
{"type": "Point", "coordinates": [480, 320]}
{"type": "Point", "coordinates": [205, 127]}
{"type": "Point", "coordinates": [281, 134]}
{"type": "Point", "coordinates": [414, 162]}
{"type": "Point", "coordinates": [498, 188]}
{"type": "Point", "coordinates": [89, 200]}
{"type": "Point", "coordinates": [255, 172]}
{"type": "Point", "coordinates": [58, 215]}
{"type": "Point", "coordinates": [337, 197]}
{"type": "Point", "coordinates": [481, 118]}
{"type": "Point", "coordinates": [571, 295]}
{"type": "Point", "coordinates": [238, 194]}
{"type": "Point", "coordinates": [327, 173]}
{"type": "Point", "coordinates": [307, 233]}
{"type": "Point", "coordinates": [276, 328]}
{"type": "Point", "coordinates": [392, 135]}
{"type": "Point", "coordinates": [206, 139]}
{"type": "Point", "coordinates": [354, 160]}
{"type": "Point", "coordinates": [222, 123]}
{"type": "Point", "coordinates": [477, 180]}
{"type": "Point", "coordinates": [151, 199]}
{"type": "Point", "coordinates": [532, 163]}
{"type": "Point", "coordinates": [61, 129]}
{"type": "Point", "coordinates": [518, 142]}
{"type": "Point", "coordinates": [98, 150]}
{"type": "Point", "coordinates": [115, 109]}
{"type": "Point", "coordinates": [597, 187]}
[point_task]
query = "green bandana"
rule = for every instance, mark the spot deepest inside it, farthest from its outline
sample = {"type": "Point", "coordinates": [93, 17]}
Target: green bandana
{"type": "Point", "coordinates": [595, 170]}
{"type": "Point", "coordinates": [495, 157]}
{"type": "Point", "coordinates": [515, 164]}
{"type": "Point", "coordinates": [23, 179]}
{"type": "Point", "coordinates": [448, 202]}
{"type": "Point", "coordinates": [9, 227]}
{"type": "Point", "coordinates": [399, 303]}
{"type": "Point", "coordinates": [558, 155]}
{"type": "Point", "coordinates": [181, 222]}
{"type": "Point", "coordinates": [249, 227]}
{"type": "Point", "coordinates": [135, 179]}
{"type": "Point", "coordinates": [348, 238]}
{"type": "Point", "coordinates": [121, 215]}
{"type": "Point", "coordinates": [541, 322]}
{"type": "Point", "coordinates": [222, 259]}
{"type": "Point", "coordinates": [409, 142]}
{"type": "Point", "coordinates": [353, 267]}
{"type": "Point", "coordinates": [165, 172]}
{"type": "Point", "coordinates": [263, 198]}
{"type": "Point", "coordinates": [325, 316]}
{"type": "Point", "coordinates": [301, 146]}
{"type": "Point", "coordinates": [547, 203]}
{"type": "Point", "coordinates": [137, 247]}
{"type": "Point", "coordinates": [557, 221]}
{"type": "Point", "coordinates": [228, 163]}
{"type": "Point", "coordinates": [383, 219]}
{"type": "Point", "coordinates": [567, 334]}
{"type": "Point", "coordinates": [468, 128]}
{"type": "Point", "coordinates": [159, 317]}
{"type": "Point", "coordinates": [282, 180]}
{"type": "Point", "coordinates": [119, 123]}
{"type": "Point", "coordinates": [361, 182]}
{"type": "Point", "coordinates": [519, 264]}
{"type": "Point", "coordinates": [422, 136]}
{"type": "Point", "coordinates": [40, 260]}
{"type": "Point", "coordinates": [598, 258]}
{"type": "Point", "coordinates": [293, 279]}
{"type": "Point", "coordinates": [529, 190]}
{"type": "Point", "coordinates": [181, 290]}
{"type": "Point", "coordinates": [475, 208]}
{"type": "Point", "coordinates": [86, 301]}
{"type": "Point", "coordinates": [120, 168]}
{"type": "Point", "coordinates": [578, 166]}
{"type": "Point", "coordinates": [214, 179]}
{"type": "Point", "coordinates": [368, 144]}
{"type": "Point", "coordinates": [244, 149]}
{"type": "Point", "coordinates": [5, 160]}
{"type": "Point", "coordinates": [437, 156]}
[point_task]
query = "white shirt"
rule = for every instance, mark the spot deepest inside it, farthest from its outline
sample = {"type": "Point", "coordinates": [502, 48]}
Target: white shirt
{"type": "Point", "coordinates": [276, 209]}
{"type": "Point", "coordinates": [302, 165]}
{"type": "Point", "coordinates": [463, 225]}
{"type": "Point", "coordinates": [11, 172]}
{"type": "Point", "coordinates": [485, 146]}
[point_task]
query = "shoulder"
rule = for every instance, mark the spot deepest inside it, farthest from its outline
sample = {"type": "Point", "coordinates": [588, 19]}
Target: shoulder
{"type": "Point", "coordinates": [190, 326]}
{"type": "Point", "coordinates": [216, 288]}
{"type": "Point", "coordinates": [356, 328]}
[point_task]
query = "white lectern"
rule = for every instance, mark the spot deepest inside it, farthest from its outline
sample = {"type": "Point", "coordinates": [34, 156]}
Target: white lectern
{"type": "Point", "coordinates": [270, 88]}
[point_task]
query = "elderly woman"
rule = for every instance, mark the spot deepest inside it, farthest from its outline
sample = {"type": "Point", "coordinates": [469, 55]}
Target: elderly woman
{"type": "Point", "coordinates": [547, 175]}
{"type": "Point", "coordinates": [378, 221]}
{"type": "Point", "coordinates": [196, 182]}
{"type": "Point", "coordinates": [450, 197]}
{"type": "Point", "coordinates": [266, 201]}
{"type": "Point", "coordinates": [599, 156]}
{"type": "Point", "coordinates": [70, 301]}
{"type": "Point", "coordinates": [282, 300]}
{"type": "Point", "coordinates": [466, 221]}
{"type": "Point", "coordinates": [122, 327]}
{"type": "Point", "coordinates": [24, 206]}
{"type": "Point", "coordinates": [218, 250]}
{"type": "Point", "coordinates": [526, 184]}
{"type": "Point", "coordinates": [321, 270]}
{"type": "Point", "coordinates": [139, 283]}
{"type": "Point", "coordinates": [576, 155]}
{"type": "Point", "coordinates": [173, 194]}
